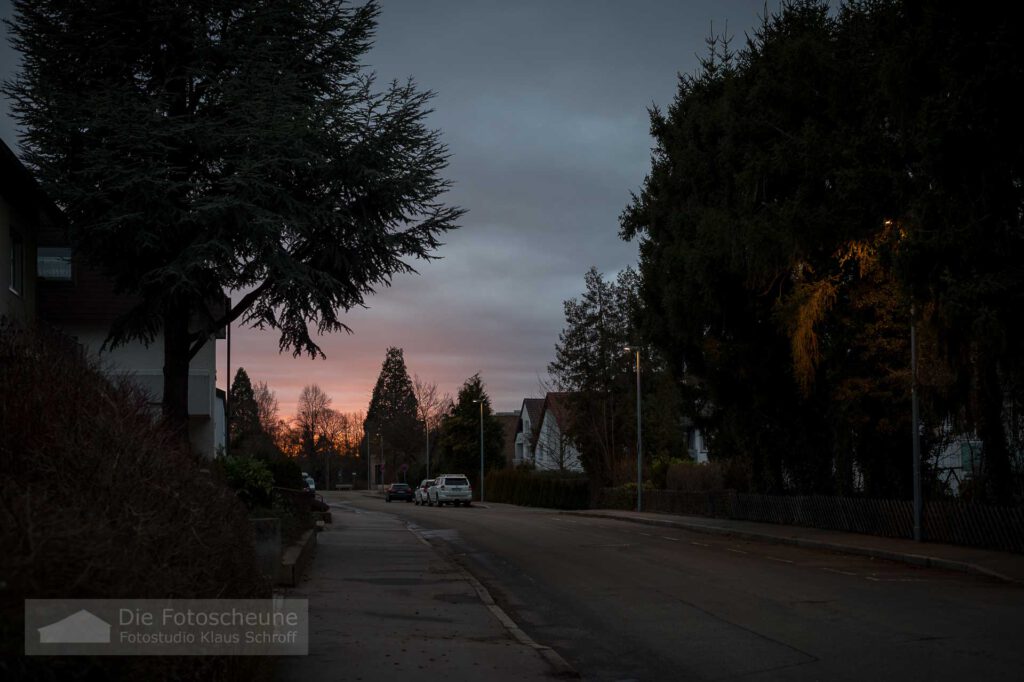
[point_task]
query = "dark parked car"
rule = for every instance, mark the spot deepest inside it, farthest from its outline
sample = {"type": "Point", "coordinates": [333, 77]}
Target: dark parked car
{"type": "Point", "coordinates": [398, 491]}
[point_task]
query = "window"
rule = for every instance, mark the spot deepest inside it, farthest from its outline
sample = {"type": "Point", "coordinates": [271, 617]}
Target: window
{"type": "Point", "coordinates": [54, 263]}
{"type": "Point", "coordinates": [17, 262]}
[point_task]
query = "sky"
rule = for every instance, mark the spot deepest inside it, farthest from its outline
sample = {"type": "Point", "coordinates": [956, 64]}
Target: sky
{"type": "Point", "coordinates": [543, 107]}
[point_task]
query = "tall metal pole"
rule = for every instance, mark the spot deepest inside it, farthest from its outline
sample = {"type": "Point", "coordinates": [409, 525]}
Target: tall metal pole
{"type": "Point", "coordinates": [481, 450]}
{"type": "Point", "coordinates": [381, 457]}
{"type": "Point", "coordinates": [639, 441]}
{"type": "Point", "coordinates": [918, 502]}
{"type": "Point", "coordinates": [227, 397]}
{"type": "Point", "coordinates": [426, 428]}
{"type": "Point", "coordinates": [368, 465]}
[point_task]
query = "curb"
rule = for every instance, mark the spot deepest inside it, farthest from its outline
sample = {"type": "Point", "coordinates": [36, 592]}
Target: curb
{"type": "Point", "coordinates": [902, 557]}
{"type": "Point", "coordinates": [296, 558]}
{"type": "Point", "coordinates": [559, 666]}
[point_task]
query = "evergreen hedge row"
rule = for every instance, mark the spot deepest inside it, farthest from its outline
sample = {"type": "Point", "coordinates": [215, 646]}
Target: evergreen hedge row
{"type": "Point", "coordinates": [553, 490]}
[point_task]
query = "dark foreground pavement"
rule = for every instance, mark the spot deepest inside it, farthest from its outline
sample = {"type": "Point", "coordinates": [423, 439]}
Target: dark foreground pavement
{"type": "Point", "coordinates": [383, 605]}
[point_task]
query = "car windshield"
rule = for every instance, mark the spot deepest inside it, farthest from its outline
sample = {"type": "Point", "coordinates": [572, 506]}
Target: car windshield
{"type": "Point", "coordinates": [395, 486]}
{"type": "Point", "coordinates": [456, 480]}
{"type": "Point", "coordinates": [428, 483]}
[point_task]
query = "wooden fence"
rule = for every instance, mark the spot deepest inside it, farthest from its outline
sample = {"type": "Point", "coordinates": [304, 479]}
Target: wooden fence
{"type": "Point", "coordinates": [946, 521]}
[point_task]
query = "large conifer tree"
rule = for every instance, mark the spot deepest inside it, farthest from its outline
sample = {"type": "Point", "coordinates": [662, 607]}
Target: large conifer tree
{"type": "Point", "coordinates": [198, 146]}
{"type": "Point", "coordinates": [392, 414]}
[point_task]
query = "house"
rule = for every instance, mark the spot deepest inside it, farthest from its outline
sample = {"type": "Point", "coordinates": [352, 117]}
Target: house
{"type": "Point", "coordinates": [25, 211]}
{"type": "Point", "coordinates": [526, 425]}
{"type": "Point", "coordinates": [45, 283]}
{"type": "Point", "coordinates": [553, 449]}
{"type": "Point", "coordinates": [696, 444]}
{"type": "Point", "coordinates": [82, 302]}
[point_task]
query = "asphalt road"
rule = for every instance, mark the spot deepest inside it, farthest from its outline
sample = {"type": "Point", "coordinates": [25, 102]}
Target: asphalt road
{"type": "Point", "coordinates": [623, 601]}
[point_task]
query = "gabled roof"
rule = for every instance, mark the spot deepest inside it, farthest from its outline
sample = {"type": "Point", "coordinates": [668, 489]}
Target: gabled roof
{"type": "Point", "coordinates": [532, 406]}
{"type": "Point", "coordinates": [557, 403]}
{"type": "Point", "coordinates": [21, 190]}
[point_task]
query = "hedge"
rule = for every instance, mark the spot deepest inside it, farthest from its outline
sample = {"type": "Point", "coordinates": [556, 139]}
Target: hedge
{"type": "Point", "coordinates": [537, 489]}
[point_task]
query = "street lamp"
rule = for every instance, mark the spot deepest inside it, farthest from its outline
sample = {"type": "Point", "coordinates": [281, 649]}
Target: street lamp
{"type": "Point", "coordinates": [426, 429]}
{"type": "Point", "coordinates": [916, 471]}
{"type": "Point", "coordinates": [481, 448]}
{"type": "Point", "coordinates": [639, 436]}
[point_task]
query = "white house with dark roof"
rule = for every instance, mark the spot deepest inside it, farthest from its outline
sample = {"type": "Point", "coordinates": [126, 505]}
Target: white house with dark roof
{"type": "Point", "coordinates": [526, 427]}
{"type": "Point", "coordinates": [553, 449]}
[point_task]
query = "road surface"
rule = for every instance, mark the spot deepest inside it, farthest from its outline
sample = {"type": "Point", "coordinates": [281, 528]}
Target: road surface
{"type": "Point", "coordinates": [623, 601]}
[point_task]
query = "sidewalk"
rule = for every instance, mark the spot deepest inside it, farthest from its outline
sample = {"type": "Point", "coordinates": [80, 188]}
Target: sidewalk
{"type": "Point", "coordinates": [384, 605]}
{"type": "Point", "coordinates": [1000, 565]}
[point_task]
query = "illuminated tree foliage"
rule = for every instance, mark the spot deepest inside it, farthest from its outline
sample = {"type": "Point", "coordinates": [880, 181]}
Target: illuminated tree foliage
{"type": "Point", "coordinates": [805, 193]}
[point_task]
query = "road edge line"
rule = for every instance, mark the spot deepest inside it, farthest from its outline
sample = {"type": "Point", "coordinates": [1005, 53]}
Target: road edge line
{"type": "Point", "coordinates": [560, 666]}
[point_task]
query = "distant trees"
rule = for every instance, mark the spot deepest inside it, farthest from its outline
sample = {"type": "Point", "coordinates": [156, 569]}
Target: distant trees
{"type": "Point", "coordinates": [592, 364]}
{"type": "Point", "coordinates": [199, 147]}
{"type": "Point", "coordinates": [250, 433]}
{"type": "Point", "coordinates": [596, 371]}
{"type": "Point", "coordinates": [431, 410]}
{"type": "Point", "coordinates": [267, 408]}
{"type": "Point", "coordinates": [393, 413]}
{"type": "Point", "coordinates": [244, 409]}
{"type": "Point", "coordinates": [808, 193]}
{"type": "Point", "coordinates": [459, 442]}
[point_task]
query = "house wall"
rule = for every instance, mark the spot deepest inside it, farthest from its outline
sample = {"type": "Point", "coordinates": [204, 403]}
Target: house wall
{"type": "Point", "coordinates": [698, 446]}
{"type": "Point", "coordinates": [548, 454]}
{"type": "Point", "coordinates": [19, 306]}
{"type": "Point", "coordinates": [145, 366]}
{"type": "Point", "coordinates": [523, 453]}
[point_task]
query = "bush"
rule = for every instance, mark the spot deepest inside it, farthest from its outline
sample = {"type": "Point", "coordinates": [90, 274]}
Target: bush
{"type": "Point", "coordinates": [554, 490]}
{"type": "Point", "coordinates": [250, 479]}
{"type": "Point", "coordinates": [726, 474]}
{"type": "Point", "coordinates": [286, 473]}
{"type": "Point", "coordinates": [98, 501]}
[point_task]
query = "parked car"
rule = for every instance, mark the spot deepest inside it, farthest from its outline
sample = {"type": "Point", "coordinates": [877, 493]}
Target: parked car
{"type": "Point", "coordinates": [398, 491]}
{"type": "Point", "coordinates": [420, 496]}
{"type": "Point", "coordinates": [450, 489]}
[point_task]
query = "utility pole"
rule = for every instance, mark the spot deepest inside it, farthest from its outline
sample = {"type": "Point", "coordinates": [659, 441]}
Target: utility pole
{"type": "Point", "coordinates": [918, 502]}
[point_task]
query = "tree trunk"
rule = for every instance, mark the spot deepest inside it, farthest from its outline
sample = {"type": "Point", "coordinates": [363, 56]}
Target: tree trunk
{"type": "Point", "coordinates": [176, 364]}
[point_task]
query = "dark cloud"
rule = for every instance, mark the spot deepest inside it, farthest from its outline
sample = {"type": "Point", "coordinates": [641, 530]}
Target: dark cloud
{"type": "Point", "coordinates": [543, 105]}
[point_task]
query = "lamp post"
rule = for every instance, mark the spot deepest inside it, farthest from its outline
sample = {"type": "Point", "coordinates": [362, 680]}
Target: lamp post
{"type": "Point", "coordinates": [426, 430]}
{"type": "Point", "coordinates": [918, 503]}
{"type": "Point", "coordinates": [369, 479]}
{"type": "Point", "coordinates": [481, 448]}
{"type": "Point", "coordinates": [639, 437]}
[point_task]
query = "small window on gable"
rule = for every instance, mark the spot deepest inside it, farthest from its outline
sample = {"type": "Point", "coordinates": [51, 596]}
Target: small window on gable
{"type": "Point", "coordinates": [17, 262]}
{"type": "Point", "coordinates": [54, 263]}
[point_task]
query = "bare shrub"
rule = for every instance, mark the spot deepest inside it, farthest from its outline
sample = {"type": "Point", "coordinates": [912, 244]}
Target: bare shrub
{"type": "Point", "coordinates": [97, 500]}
